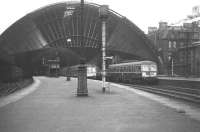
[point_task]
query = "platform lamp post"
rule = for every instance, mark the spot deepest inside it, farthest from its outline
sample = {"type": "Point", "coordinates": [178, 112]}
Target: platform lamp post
{"type": "Point", "coordinates": [103, 13]}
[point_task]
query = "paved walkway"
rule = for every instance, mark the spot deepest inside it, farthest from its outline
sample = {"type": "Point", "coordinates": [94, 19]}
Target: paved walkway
{"type": "Point", "coordinates": [53, 107]}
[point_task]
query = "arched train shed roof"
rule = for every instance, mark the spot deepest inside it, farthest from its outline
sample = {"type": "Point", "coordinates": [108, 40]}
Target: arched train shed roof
{"type": "Point", "coordinates": [50, 27]}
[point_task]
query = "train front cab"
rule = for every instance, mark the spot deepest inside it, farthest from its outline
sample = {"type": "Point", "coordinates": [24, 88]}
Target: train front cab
{"type": "Point", "coordinates": [149, 74]}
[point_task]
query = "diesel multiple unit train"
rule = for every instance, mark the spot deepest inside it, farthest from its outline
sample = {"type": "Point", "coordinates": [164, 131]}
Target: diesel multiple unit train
{"type": "Point", "coordinates": [92, 71]}
{"type": "Point", "coordinates": [133, 72]}
{"type": "Point", "coordinates": [130, 72]}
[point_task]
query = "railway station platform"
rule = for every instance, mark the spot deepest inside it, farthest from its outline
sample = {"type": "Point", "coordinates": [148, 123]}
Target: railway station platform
{"type": "Point", "coordinates": [51, 105]}
{"type": "Point", "coordinates": [188, 82]}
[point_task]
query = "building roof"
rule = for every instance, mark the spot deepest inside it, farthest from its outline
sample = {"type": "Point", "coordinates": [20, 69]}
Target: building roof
{"type": "Point", "coordinates": [54, 25]}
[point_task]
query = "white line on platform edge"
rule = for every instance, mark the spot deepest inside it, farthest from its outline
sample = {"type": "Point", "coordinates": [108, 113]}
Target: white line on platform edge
{"type": "Point", "coordinates": [19, 94]}
{"type": "Point", "coordinates": [193, 112]}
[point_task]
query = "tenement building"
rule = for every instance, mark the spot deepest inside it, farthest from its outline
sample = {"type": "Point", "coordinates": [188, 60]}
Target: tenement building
{"type": "Point", "coordinates": [179, 46]}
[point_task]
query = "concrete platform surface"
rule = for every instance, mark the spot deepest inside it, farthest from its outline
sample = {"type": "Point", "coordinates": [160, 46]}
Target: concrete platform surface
{"type": "Point", "coordinates": [53, 107]}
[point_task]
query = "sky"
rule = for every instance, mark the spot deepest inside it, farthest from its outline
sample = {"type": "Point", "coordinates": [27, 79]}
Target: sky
{"type": "Point", "coordinates": [143, 13]}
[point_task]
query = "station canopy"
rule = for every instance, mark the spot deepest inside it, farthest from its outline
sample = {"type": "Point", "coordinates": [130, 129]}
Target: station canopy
{"type": "Point", "coordinates": [58, 26]}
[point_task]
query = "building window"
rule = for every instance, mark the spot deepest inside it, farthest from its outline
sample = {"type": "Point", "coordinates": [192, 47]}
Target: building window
{"type": "Point", "coordinates": [181, 57]}
{"type": "Point", "coordinates": [170, 44]}
{"type": "Point", "coordinates": [181, 44]}
{"type": "Point", "coordinates": [174, 45]}
{"type": "Point", "coordinates": [182, 35]}
{"type": "Point", "coordinates": [196, 36]}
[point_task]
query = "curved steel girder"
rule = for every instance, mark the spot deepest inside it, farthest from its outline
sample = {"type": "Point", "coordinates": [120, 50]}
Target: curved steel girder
{"type": "Point", "coordinates": [22, 36]}
{"type": "Point", "coordinates": [49, 26]}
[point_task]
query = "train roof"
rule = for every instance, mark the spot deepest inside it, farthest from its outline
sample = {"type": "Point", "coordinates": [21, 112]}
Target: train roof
{"type": "Point", "coordinates": [133, 63]}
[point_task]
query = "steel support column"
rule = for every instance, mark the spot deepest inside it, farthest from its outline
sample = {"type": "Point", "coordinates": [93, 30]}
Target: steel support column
{"type": "Point", "coordinates": [103, 12]}
{"type": "Point", "coordinates": [103, 55]}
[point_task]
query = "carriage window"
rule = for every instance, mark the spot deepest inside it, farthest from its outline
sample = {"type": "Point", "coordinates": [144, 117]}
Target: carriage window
{"type": "Point", "coordinates": [134, 68]}
{"type": "Point", "coordinates": [153, 67]}
{"type": "Point", "coordinates": [118, 69]}
{"type": "Point", "coordinates": [129, 68]}
{"type": "Point", "coordinates": [125, 68]}
{"type": "Point", "coordinates": [138, 68]}
{"type": "Point", "coordinates": [145, 68]}
{"type": "Point", "coordinates": [112, 69]}
{"type": "Point", "coordinates": [121, 69]}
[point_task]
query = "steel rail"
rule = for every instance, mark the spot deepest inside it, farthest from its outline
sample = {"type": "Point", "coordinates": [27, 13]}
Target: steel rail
{"type": "Point", "coordinates": [176, 93]}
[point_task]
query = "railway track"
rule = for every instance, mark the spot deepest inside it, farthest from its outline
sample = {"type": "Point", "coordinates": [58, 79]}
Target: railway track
{"type": "Point", "coordinates": [8, 89]}
{"type": "Point", "coordinates": [13, 87]}
{"type": "Point", "coordinates": [188, 94]}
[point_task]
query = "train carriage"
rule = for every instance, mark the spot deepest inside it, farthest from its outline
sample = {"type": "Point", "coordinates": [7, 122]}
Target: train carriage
{"type": "Point", "coordinates": [73, 71]}
{"type": "Point", "coordinates": [133, 72]}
